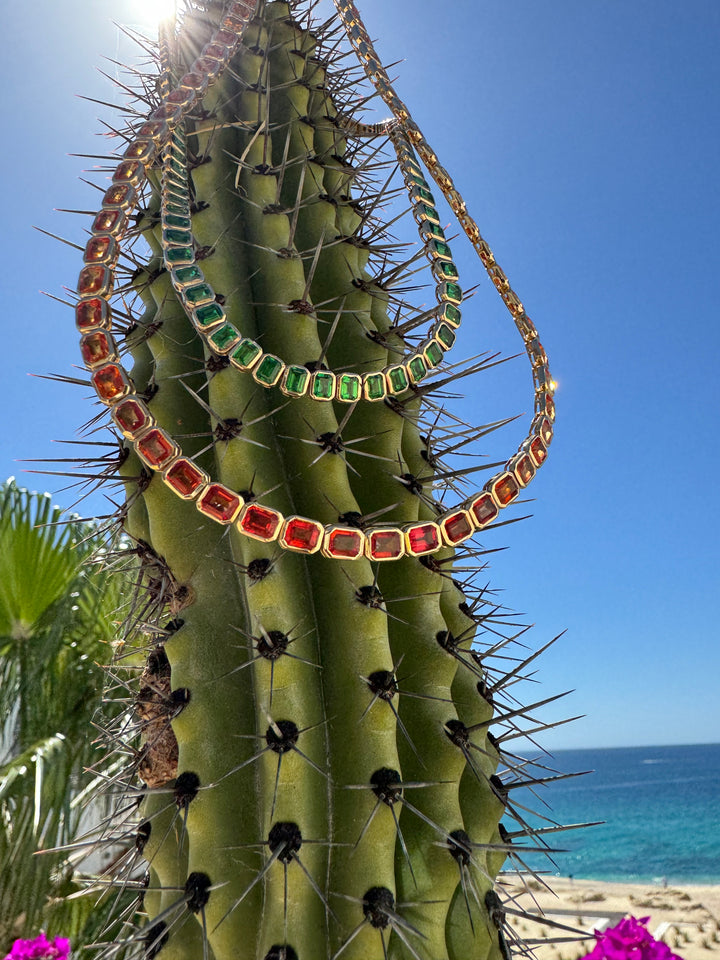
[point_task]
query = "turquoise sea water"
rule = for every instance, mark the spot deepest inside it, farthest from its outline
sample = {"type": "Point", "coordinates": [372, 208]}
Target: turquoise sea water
{"type": "Point", "coordinates": [662, 811]}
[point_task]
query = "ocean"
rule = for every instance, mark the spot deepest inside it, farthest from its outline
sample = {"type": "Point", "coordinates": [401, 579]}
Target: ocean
{"type": "Point", "coordinates": [661, 807]}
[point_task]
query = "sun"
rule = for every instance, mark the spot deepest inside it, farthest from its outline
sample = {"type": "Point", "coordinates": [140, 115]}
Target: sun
{"type": "Point", "coordinates": [152, 12]}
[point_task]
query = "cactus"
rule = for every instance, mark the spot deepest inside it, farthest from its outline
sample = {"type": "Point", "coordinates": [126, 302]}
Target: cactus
{"type": "Point", "coordinates": [315, 775]}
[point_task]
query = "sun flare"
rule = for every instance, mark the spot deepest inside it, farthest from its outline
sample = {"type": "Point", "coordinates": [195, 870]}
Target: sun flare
{"type": "Point", "coordinates": [153, 11]}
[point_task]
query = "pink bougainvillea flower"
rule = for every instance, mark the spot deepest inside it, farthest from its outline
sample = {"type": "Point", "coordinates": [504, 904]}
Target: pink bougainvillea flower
{"type": "Point", "coordinates": [40, 949]}
{"type": "Point", "coordinates": [630, 940]}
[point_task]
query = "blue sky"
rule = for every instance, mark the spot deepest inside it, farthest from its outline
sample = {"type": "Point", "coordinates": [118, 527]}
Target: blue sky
{"type": "Point", "coordinates": [584, 138]}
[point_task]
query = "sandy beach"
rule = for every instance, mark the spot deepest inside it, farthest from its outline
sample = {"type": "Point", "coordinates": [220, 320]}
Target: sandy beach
{"type": "Point", "coordinates": [686, 917]}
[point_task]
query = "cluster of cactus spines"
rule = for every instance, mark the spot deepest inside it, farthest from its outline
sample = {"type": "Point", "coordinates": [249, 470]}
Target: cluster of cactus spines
{"type": "Point", "coordinates": [313, 772]}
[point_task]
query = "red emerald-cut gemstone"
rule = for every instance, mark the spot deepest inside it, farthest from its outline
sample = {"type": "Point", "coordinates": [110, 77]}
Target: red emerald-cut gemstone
{"type": "Point", "coordinates": [100, 249]}
{"type": "Point", "coordinates": [157, 130]}
{"type": "Point", "coordinates": [233, 23]}
{"type": "Point", "coordinates": [484, 509]}
{"type": "Point", "coordinates": [549, 406]}
{"type": "Point", "coordinates": [95, 278]}
{"type": "Point", "coordinates": [505, 489]}
{"type": "Point", "coordinates": [141, 149]}
{"type": "Point", "coordinates": [241, 9]}
{"type": "Point", "coordinates": [97, 347]}
{"type": "Point", "coordinates": [525, 469]}
{"type": "Point", "coordinates": [226, 37]}
{"type": "Point", "coordinates": [129, 171]}
{"type": "Point", "coordinates": [194, 81]}
{"type": "Point", "coordinates": [185, 478]}
{"type": "Point", "coordinates": [220, 503]}
{"type": "Point", "coordinates": [207, 65]}
{"type": "Point", "coordinates": [110, 383]}
{"type": "Point", "coordinates": [301, 534]}
{"type": "Point", "coordinates": [181, 96]}
{"type": "Point", "coordinates": [546, 431]}
{"type": "Point", "coordinates": [423, 538]}
{"type": "Point", "coordinates": [156, 448]}
{"type": "Point", "coordinates": [216, 51]}
{"type": "Point", "coordinates": [457, 527]}
{"type": "Point", "coordinates": [260, 522]}
{"type": "Point", "coordinates": [344, 544]}
{"type": "Point", "coordinates": [386, 545]}
{"type": "Point", "coordinates": [169, 112]}
{"type": "Point", "coordinates": [110, 221]}
{"type": "Point", "coordinates": [91, 313]}
{"type": "Point", "coordinates": [538, 450]}
{"type": "Point", "coordinates": [120, 195]}
{"type": "Point", "coordinates": [132, 417]}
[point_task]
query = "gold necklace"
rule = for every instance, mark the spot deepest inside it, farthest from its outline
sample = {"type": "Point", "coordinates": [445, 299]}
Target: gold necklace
{"type": "Point", "coordinates": [161, 453]}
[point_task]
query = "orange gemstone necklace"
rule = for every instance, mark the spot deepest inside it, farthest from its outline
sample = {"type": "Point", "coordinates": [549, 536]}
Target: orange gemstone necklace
{"type": "Point", "coordinates": [162, 135]}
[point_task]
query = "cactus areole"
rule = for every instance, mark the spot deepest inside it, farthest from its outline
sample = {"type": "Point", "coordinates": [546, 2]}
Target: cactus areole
{"type": "Point", "coordinates": [312, 721]}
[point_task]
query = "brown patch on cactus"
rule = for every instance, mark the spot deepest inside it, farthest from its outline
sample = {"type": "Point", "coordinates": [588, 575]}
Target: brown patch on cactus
{"type": "Point", "coordinates": [302, 307]}
{"type": "Point", "coordinates": [182, 596]}
{"type": "Point", "coordinates": [155, 707]}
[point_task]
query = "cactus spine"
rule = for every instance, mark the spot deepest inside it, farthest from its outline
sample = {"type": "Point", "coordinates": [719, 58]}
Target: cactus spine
{"type": "Point", "coordinates": [320, 776]}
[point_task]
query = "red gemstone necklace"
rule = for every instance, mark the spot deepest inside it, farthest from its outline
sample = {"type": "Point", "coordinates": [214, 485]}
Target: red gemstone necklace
{"type": "Point", "coordinates": [161, 453]}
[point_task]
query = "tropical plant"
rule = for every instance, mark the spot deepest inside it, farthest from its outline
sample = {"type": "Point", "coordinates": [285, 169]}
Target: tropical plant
{"type": "Point", "coordinates": [321, 671]}
{"type": "Point", "coordinates": [58, 619]}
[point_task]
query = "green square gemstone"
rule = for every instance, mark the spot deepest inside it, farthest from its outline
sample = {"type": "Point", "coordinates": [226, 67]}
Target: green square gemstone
{"type": "Point", "coordinates": [179, 238]}
{"type": "Point", "coordinates": [417, 368]}
{"type": "Point", "coordinates": [175, 186]}
{"type": "Point", "coordinates": [179, 200]}
{"type": "Point", "coordinates": [375, 386]}
{"type": "Point", "coordinates": [224, 338]}
{"type": "Point", "coordinates": [209, 316]}
{"type": "Point", "coordinates": [427, 212]}
{"type": "Point", "coordinates": [425, 194]}
{"type": "Point", "coordinates": [177, 167]}
{"type": "Point", "coordinates": [349, 387]}
{"type": "Point", "coordinates": [245, 354]}
{"type": "Point", "coordinates": [296, 381]}
{"type": "Point", "coordinates": [269, 370]}
{"type": "Point", "coordinates": [445, 335]}
{"type": "Point", "coordinates": [448, 270]}
{"type": "Point", "coordinates": [419, 181]}
{"type": "Point", "coordinates": [450, 291]}
{"type": "Point", "coordinates": [398, 379]}
{"type": "Point", "coordinates": [174, 220]}
{"type": "Point", "coordinates": [450, 314]}
{"type": "Point", "coordinates": [191, 274]}
{"type": "Point", "coordinates": [440, 249]}
{"type": "Point", "coordinates": [323, 385]}
{"type": "Point", "coordinates": [412, 165]}
{"type": "Point", "coordinates": [433, 230]}
{"type": "Point", "coordinates": [198, 293]}
{"type": "Point", "coordinates": [180, 209]}
{"type": "Point", "coordinates": [433, 354]}
{"type": "Point", "coordinates": [180, 255]}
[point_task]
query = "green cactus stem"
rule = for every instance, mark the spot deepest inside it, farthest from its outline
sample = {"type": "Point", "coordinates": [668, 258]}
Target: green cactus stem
{"type": "Point", "coordinates": [314, 710]}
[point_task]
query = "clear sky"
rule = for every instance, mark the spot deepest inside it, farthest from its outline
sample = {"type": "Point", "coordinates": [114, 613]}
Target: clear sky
{"type": "Point", "coordinates": [584, 137]}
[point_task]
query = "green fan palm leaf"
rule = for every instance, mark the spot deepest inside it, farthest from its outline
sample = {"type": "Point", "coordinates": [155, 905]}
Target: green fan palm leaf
{"type": "Point", "coordinates": [57, 615]}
